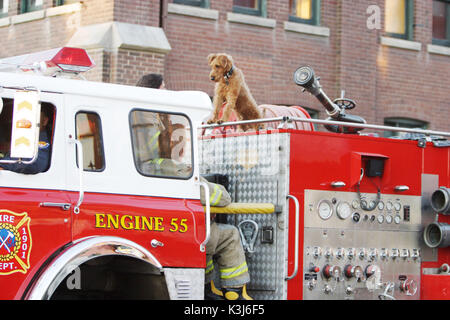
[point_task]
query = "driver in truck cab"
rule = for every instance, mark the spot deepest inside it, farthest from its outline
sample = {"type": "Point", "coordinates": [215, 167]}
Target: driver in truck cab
{"type": "Point", "coordinates": [42, 162]}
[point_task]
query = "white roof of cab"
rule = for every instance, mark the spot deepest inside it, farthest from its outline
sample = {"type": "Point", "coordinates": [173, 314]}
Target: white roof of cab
{"type": "Point", "coordinates": [194, 103]}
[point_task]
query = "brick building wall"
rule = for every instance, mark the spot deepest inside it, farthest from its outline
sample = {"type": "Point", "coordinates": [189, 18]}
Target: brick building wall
{"type": "Point", "coordinates": [385, 78]}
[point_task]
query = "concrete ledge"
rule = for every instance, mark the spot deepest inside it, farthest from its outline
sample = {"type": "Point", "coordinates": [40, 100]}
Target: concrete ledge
{"type": "Point", "coordinates": [192, 11]}
{"type": "Point", "coordinates": [442, 50]}
{"type": "Point", "coordinates": [115, 35]}
{"type": "Point", "coordinates": [27, 17]}
{"type": "Point", "coordinates": [400, 43]}
{"type": "Point", "coordinates": [306, 29]}
{"type": "Point", "coordinates": [251, 20]}
{"type": "Point", "coordinates": [65, 9]}
{"type": "Point", "coordinates": [4, 22]}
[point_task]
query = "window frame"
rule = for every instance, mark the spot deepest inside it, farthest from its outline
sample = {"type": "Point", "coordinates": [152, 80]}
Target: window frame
{"type": "Point", "coordinates": [194, 3]}
{"type": "Point", "coordinates": [403, 122]}
{"type": "Point", "coordinates": [409, 23]}
{"type": "Point", "coordinates": [315, 14]}
{"type": "Point", "coordinates": [260, 12]}
{"type": "Point", "coordinates": [26, 7]}
{"type": "Point", "coordinates": [442, 42]}
{"type": "Point", "coordinates": [2, 12]}
{"type": "Point", "coordinates": [133, 145]}
{"type": "Point", "coordinates": [100, 129]}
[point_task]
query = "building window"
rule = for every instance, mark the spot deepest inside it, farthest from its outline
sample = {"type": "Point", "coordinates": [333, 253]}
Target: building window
{"type": "Point", "coordinates": [89, 133]}
{"type": "Point", "coordinates": [305, 11]}
{"type": "Point", "coordinates": [3, 8]}
{"type": "Point", "coordinates": [441, 22]}
{"type": "Point", "coordinates": [197, 3]}
{"type": "Point", "coordinates": [252, 7]}
{"type": "Point", "coordinates": [162, 144]}
{"type": "Point", "coordinates": [403, 123]}
{"type": "Point", "coordinates": [31, 5]}
{"type": "Point", "coordinates": [63, 2]}
{"type": "Point", "coordinates": [399, 18]}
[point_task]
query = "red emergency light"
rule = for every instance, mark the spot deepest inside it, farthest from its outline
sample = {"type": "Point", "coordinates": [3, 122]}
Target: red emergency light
{"type": "Point", "coordinates": [65, 59]}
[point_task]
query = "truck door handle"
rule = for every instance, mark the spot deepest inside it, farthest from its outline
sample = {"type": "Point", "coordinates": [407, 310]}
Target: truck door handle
{"type": "Point", "coordinates": [297, 232]}
{"type": "Point", "coordinates": [64, 206]}
{"type": "Point", "coordinates": [79, 147]}
{"type": "Point", "coordinates": [207, 216]}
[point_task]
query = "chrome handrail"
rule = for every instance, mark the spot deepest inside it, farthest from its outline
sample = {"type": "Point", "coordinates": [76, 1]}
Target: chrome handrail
{"type": "Point", "coordinates": [207, 216]}
{"type": "Point", "coordinates": [297, 235]}
{"type": "Point", "coordinates": [79, 146]}
{"type": "Point", "coordinates": [288, 119]}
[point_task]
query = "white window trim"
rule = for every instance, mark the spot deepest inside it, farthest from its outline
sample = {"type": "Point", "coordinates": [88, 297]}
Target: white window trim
{"type": "Point", "coordinates": [28, 16]}
{"type": "Point", "coordinates": [41, 14]}
{"type": "Point", "coordinates": [436, 49]}
{"type": "Point", "coordinates": [306, 29]}
{"type": "Point", "coordinates": [251, 20]}
{"type": "Point", "coordinates": [5, 6]}
{"type": "Point", "coordinates": [401, 43]}
{"type": "Point", "coordinates": [4, 22]}
{"type": "Point", "coordinates": [192, 11]}
{"type": "Point", "coordinates": [64, 9]}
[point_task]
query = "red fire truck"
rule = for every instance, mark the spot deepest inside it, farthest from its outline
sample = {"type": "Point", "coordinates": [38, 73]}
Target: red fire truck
{"type": "Point", "coordinates": [116, 211]}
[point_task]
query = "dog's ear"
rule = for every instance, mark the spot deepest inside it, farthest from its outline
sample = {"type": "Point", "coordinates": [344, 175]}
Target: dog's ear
{"type": "Point", "coordinates": [225, 61]}
{"type": "Point", "coordinates": [211, 57]}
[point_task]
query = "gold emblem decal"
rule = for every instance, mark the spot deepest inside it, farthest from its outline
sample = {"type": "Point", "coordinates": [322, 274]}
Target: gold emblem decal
{"type": "Point", "coordinates": [15, 242]}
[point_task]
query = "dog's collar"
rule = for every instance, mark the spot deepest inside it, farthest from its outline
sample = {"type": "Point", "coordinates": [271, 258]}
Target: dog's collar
{"type": "Point", "coordinates": [228, 74]}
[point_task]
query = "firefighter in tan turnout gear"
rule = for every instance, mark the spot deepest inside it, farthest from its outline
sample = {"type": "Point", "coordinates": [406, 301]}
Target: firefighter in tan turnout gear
{"type": "Point", "coordinates": [225, 248]}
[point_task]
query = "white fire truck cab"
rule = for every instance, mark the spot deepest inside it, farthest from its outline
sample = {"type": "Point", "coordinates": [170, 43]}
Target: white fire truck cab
{"type": "Point", "coordinates": [119, 196]}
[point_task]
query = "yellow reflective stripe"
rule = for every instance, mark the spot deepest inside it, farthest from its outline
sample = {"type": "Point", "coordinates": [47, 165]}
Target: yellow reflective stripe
{"type": "Point", "coordinates": [233, 272]}
{"type": "Point", "coordinates": [216, 196]}
{"type": "Point", "coordinates": [248, 208]}
{"type": "Point", "coordinates": [235, 268]}
{"type": "Point", "coordinates": [154, 142]}
{"type": "Point", "coordinates": [209, 266]}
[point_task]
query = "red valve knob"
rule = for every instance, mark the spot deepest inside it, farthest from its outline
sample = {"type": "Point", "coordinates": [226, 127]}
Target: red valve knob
{"type": "Point", "coordinates": [331, 271]}
{"type": "Point", "coordinates": [353, 271]}
{"type": "Point", "coordinates": [371, 270]}
{"type": "Point", "coordinates": [314, 269]}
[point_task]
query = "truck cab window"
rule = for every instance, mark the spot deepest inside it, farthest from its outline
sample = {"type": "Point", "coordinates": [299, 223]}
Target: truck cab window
{"type": "Point", "coordinates": [161, 144]}
{"type": "Point", "coordinates": [42, 163]}
{"type": "Point", "coordinates": [6, 127]}
{"type": "Point", "coordinates": [88, 132]}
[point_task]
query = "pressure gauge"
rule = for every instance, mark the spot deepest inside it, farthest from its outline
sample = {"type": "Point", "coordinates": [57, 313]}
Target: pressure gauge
{"type": "Point", "coordinates": [381, 205]}
{"type": "Point", "coordinates": [397, 219]}
{"type": "Point", "coordinates": [343, 210]}
{"type": "Point", "coordinates": [355, 204]}
{"type": "Point", "coordinates": [389, 206]}
{"type": "Point", "coordinates": [380, 218]}
{"type": "Point", "coordinates": [363, 204]}
{"type": "Point", "coordinates": [388, 219]}
{"type": "Point", "coordinates": [325, 209]}
{"type": "Point", "coordinates": [397, 206]}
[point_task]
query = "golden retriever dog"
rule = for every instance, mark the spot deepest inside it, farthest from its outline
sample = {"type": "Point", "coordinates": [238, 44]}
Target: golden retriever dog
{"type": "Point", "coordinates": [231, 91]}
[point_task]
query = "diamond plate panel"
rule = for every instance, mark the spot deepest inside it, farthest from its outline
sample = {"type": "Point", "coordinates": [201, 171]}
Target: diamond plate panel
{"type": "Point", "coordinates": [257, 167]}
